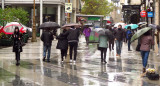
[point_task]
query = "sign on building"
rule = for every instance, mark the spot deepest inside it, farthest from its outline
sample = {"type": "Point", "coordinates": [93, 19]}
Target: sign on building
{"type": "Point", "coordinates": [68, 7]}
{"type": "Point", "coordinates": [150, 14]}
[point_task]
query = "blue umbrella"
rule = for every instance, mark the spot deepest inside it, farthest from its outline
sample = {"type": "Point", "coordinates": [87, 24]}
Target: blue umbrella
{"type": "Point", "coordinates": [133, 26]}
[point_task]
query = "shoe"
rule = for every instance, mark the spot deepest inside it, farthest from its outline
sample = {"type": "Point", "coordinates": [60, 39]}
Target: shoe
{"type": "Point", "coordinates": [17, 64]}
{"type": "Point", "coordinates": [105, 62]}
{"type": "Point", "coordinates": [144, 70]}
{"type": "Point", "coordinates": [48, 61]}
{"type": "Point", "coordinates": [70, 61]}
{"type": "Point", "coordinates": [44, 58]}
{"type": "Point", "coordinates": [61, 61]}
{"type": "Point", "coordinates": [117, 55]}
{"type": "Point", "coordinates": [158, 54]}
{"type": "Point", "coordinates": [74, 61]}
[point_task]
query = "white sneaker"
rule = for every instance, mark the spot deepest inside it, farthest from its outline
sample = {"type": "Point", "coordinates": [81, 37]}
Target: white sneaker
{"type": "Point", "coordinates": [74, 62]}
{"type": "Point", "coordinates": [70, 61]}
{"type": "Point", "coordinates": [158, 54]}
{"type": "Point", "coordinates": [61, 61]}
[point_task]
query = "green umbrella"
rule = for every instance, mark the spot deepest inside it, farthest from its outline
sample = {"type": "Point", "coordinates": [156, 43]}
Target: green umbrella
{"type": "Point", "coordinates": [140, 33]}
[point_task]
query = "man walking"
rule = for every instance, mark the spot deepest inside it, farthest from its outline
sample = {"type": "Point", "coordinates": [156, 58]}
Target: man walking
{"type": "Point", "coordinates": [47, 38]}
{"type": "Point", "coordinates": [119, 36]}
{"type": "Point", "coordinates": [73, 39]}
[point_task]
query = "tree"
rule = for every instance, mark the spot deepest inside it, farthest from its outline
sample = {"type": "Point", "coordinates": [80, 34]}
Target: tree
{"type": "Point", "coordinates": [97, 7]}
{"type": "Point", "coordinates": [14, 14]}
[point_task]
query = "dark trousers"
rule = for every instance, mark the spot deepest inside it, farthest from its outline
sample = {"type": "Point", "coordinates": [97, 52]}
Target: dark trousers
{"type": "Point", "coordinates": [111, 44]}
{"type": "Point", "coordinates": [87, 40]}
{"type": "Point", "coordinates": [63, 53]}
{"type": "Point", "coordinates": [129, 44]}
{"type": "Point", "coordinates": [73, 46]}
{"type": "Point", "coordinates": [17, 56]}
{"type": "Point", "coordinates": [103, 54]}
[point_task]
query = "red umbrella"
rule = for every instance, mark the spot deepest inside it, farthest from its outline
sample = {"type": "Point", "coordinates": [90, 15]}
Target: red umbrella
{"type": "Point", "coordinates": [9, 28]}
{"type": "Point", "coordinates": [109, 22]}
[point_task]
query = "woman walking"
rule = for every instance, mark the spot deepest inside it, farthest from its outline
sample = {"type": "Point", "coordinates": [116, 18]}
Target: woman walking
{"type": "Point", "coordinates": [87, 32]}
{"type": "Point", "coordinates": [17, 46]}
{"type": "Point", "coordinates": [146, 41]}
{"type": "Point", "coordinates": [62, 45]}
{"type": "Point", "coordinates": [103, 45]}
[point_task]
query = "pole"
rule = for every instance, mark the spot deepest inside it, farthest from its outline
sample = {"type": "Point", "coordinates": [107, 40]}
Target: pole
{"type": "Point", "coordinates": [3, 4]}
{"type": "Point", "coordinates": [69, 16]}
{"type": "Point", "coordinates": [34, 25]}
{"type": "Point", "coordinates": [41, 14]}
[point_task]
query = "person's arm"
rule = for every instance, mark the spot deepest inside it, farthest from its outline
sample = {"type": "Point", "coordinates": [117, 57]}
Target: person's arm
{"type": "Point", "coordinates": [66, 33]}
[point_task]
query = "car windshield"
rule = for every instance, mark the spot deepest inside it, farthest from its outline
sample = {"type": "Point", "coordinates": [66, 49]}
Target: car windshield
{"type": "Point", "coordinates": [10, 29]}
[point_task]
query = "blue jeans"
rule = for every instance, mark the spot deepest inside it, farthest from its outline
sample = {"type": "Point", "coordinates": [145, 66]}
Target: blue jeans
{"type": "Point", "coordinates": [45, 49]}
{"type": "Point", "coordinates": [129, 44]}
{"type": "Point", "coordinates": [144, 55]}
{"type": "Point", "coordinates": [119, 46]}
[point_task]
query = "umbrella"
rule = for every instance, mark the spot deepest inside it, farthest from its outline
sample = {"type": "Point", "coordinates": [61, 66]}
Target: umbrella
{"type": "Point", "coordinates": [153, 26]}
{"type": "Point", "coordinates": [102, 31]}
{"type": "Point", "coordinates": [140, 33]}
{"type": "Point", "coordinates": [142, 23]}
{"type": "Point", "coordinates": [51, 25]}
{"type": "Point", "coordinates": [70, 25]}
{"type": "Point", "coordinates": [9, 28]}
{"type": "Point", "coordinates": [88, 24]}
{"type": "Point", "coordinates": [117, 24]}
{"type": "Point", "coordinates": [133, 26]}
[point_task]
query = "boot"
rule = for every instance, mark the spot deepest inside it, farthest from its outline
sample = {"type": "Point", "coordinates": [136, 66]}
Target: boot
{"type": "Point", "coordinates": [44, 58]}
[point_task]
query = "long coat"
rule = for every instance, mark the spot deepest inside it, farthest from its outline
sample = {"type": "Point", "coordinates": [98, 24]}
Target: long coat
{"type": "Point", "coordinates": [62, 42]}
{"type": "Point", "coordinates": [103, 41]}
{"type": "Point", "coordinates": [146, 42]}
{"type": "Point", "coordinates": [17, 45]}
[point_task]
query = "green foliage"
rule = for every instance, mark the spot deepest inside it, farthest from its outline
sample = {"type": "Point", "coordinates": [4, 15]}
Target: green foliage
{"type": "Point", "coordinates": [4, 36]}
{"type": "Point", "coordinates": [14, 14]}
{"type": "Point", "coordinates": [97, 7]}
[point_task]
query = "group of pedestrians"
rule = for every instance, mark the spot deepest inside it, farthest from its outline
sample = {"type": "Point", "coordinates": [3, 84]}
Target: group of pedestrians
{"type": "Point", "coordinates": [69, 38]}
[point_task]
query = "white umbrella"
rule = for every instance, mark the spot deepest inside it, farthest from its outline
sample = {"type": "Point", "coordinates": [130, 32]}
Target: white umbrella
{"type": "Point", "coordinates": [117, 24]}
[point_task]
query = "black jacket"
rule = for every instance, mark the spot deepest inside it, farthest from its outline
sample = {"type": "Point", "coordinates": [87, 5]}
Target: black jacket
{"type": "Point", "coordinates": [112, 34]}
{"type": "Point", "coordinates": [72, 35]}
{"type": "Point", "coordinates": [47, 38]}
{"type": "Point", "coordinates": [119, 34]}
{"type": "Point", "coordinates": [62, 42]}
{"type": "Point", "coordinates": [17, 44]}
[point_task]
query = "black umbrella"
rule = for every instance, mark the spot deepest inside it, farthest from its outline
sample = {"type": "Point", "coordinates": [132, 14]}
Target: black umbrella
{"type": "Point", "coordinates": [49, 25]}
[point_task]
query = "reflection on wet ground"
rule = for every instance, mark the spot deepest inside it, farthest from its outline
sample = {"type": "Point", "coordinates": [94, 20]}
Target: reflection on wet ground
{"type": "Point", "coordinates": [119, 71]}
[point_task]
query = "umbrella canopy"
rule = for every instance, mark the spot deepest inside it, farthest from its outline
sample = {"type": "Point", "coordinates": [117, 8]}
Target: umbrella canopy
{"type": "Point", "coordinates": [88, 24]}
{"type": "Point", "coordinates": [51, 25]}
{"type": "Point", "coordinates": [9, 28]}
{"type": "Point", "coordinates": [70, 25]}
{"type": "Point", "coordinates": [117, 24]}
{"type": "Point", "coordinates": [140, 33]}
{"type": "Point", "coordinates": [133, 26]}
{"type": "Point", "coordinates": [153, 26]}
{"type": "Point", "coordinates": [102, 31]}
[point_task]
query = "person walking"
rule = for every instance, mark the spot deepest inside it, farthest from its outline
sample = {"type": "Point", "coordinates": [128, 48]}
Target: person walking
{"type": "Point", "coordinates": [103, 45]}
{"type": "Point", "coordinates": [62, 45]}
{"type": "Point", "coordinates": [111, 38]}
{"type": "Point", "coordinates": [129, 36]}
{"type": "Point", "coordinates": [17, 45]}
{"type": "Point", "coordinates": [47, 38]}
{"type": "Point", "coordinates": [87, 32]}
{"type": "Point", "coordinates": [73, 39]}
{"type": "Point", "coordinates": [119, 36]}
{"type": "Point", "coordinates": [146, 41]}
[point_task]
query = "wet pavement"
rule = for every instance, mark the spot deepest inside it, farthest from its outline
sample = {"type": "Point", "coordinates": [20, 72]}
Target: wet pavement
{"type": "Point", "coordinates": [88, 71]}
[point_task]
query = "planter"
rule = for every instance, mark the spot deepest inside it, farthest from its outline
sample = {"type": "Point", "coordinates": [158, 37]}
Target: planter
{"type": "Point", "coordinates": [6, 42]}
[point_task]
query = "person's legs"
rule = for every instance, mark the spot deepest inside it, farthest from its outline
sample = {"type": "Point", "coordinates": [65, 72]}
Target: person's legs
{"type": "Point", "coordinates": [145, 61]}
{"type": "Point", "coordinates": [117, 47]}
{"type": "Point", "coordinates": [129, 43]}
{"type": "Point", "coordinates": [87, 40]}
{"type": "Point", "coordinates": [71, 50]}
{"type": "Point", "coordinates": [75, 50]}
{"type": "Point", "coordinates": [110, 42]}
{"type": "Point", "coordinates": [105, 51]}
{"type": "Point", "coordinates": [44, 52]}
{"type": "Point", "coordinates": [17, 58]}
{"type": "Point", "coordinates": [49, 52]}
{"type": "Point", "coordinates": [102, 55]}
{"type": "Point", "coordinates": [120, 47]}
{"type": "Point", "coordinates": [62, 54]}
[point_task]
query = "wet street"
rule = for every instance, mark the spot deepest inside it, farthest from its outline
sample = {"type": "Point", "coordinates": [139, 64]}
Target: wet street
{"type": "Point", "coordinates": [88, 71]}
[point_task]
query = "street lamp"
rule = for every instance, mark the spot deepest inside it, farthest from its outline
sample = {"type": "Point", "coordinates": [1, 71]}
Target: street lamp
{"type": "Point", "coordinates": [34, 25]}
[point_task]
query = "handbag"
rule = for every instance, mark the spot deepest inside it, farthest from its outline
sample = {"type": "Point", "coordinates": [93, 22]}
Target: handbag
{"type": "Point", "coordinates": [98, 47]}
{"type": "Point", "coordinates": [138, 47]}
